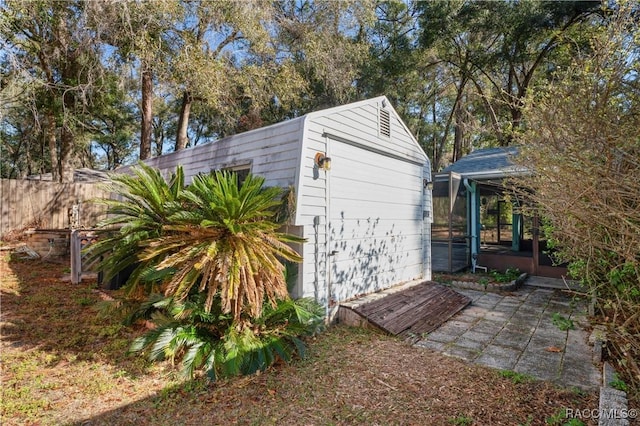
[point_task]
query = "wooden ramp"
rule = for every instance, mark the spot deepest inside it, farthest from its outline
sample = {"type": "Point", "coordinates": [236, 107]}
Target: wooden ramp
{"type": "Point", "coordinates": [413, 311]}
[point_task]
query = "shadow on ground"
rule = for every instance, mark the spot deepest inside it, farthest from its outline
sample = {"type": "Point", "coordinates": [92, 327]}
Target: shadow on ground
{"type": "Point", "coordinates": [64, 365]}
{"type": "Point", "coordinates": [40, 310]}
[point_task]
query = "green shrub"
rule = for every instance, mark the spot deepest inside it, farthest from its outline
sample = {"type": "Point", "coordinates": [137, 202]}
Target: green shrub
{"type": "Point", "coordinates": [211, 341]}
{"type": "Point", "coordinates": [211, 270]}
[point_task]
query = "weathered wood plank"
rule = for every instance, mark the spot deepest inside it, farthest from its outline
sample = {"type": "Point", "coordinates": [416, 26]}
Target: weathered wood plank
{"type": "Point", "coordinates": [389, 301]}
{"type": "Point", "coordinates": [416, 310]}
{"type": "Point", "coordinates": [431, 308]}
{"type": "Point", "coordinates": [431, 305]}
{"type": "Point", "coordinates": [429, 323]}
{"type": "Point", "coordinates": [26, 203]}
{"type": "Point", "coordinates": [395, 311]}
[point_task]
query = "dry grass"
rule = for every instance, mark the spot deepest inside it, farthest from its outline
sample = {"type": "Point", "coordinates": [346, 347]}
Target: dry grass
{"type": "Point", "coordinates": [62, 365]}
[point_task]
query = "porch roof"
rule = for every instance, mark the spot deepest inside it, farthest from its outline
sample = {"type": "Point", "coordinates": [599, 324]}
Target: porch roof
{"type": "Point", "coordinates": [488, 163]}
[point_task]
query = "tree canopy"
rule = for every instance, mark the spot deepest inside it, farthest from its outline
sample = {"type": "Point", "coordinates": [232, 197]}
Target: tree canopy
{"type": "Point", "coordinates": [91, 83]}
{"type": "Point", "coordinates": [582, 138]}
{"type": "Point", "coordinates": [101, 84]}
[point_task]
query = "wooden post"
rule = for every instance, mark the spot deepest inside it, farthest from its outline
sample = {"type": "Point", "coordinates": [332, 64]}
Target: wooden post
{"type": "Point", "coordinates": [536, 243]}
{"type": "Point", "coordinates": [76, 257]}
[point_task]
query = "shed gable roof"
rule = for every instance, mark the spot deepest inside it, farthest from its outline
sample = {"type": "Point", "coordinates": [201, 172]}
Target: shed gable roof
{"type": "Point", "coordinates": [410, 149]}
{"type": "Point", "coordinates": [266, 137]}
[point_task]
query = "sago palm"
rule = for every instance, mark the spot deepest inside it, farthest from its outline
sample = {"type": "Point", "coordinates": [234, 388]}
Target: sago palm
{"type": "Point", "coordinates": [225, 245]}
{"type": "Point", "coordinates": [214, 250]}
{"type": "Point", "coordinates": [211, 342]}
{"type": "Point", "coordinates": [144, 202]}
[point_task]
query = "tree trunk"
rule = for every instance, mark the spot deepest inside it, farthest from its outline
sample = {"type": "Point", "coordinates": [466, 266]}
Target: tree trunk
{"type": "Point", "coordinates": [447, 127]}
{"type": "Point", "coordinates": [50, 134]}
{"type": "Point", "coordinates": [67, 139]}
{"type": "Point", "coordinates": [491, 113]}
{"type": "Point", "coordinates": [458, 133]}
{"type": "Point", "coordinates": [146, 112]}
{"type": "Point", "coordinates": [158, 135]}
{"type": "Point", "coordinates": [66, 155]}
{"type": "Point", "coordinates": [516, 119]}
{"type": "Point", "coordinates": [434, 149]}
{"type": "Point", "coordinates": [183, 121]}
{"type": "Point", "coordinates": [21, 172]}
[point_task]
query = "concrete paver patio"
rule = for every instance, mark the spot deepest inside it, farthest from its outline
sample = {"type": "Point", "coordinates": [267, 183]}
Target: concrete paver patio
{"type": "Point", "coordinates": [516, 331]}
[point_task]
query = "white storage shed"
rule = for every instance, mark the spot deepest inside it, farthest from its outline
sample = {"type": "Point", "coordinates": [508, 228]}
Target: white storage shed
{"type": "Point", "coordinates": [366, 218]}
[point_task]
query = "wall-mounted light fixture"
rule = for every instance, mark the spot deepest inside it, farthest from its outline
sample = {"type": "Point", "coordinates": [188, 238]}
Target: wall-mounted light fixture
{"type": "Point", "coordinates": [427, 184]}
{"type": "Point", "coordinates": [322, 161]}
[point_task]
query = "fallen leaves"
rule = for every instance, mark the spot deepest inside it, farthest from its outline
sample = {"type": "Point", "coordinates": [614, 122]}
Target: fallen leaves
{"type": "Point", "coordinates": [352, 376]}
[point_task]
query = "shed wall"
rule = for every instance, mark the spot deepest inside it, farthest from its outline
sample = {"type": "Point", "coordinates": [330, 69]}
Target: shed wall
{"type": "Point", "coordinates": [375, 196]}
{"type": "Point", "coordinates": [272, 152]}
{"type": "Point", "coordinates": [378, 185]}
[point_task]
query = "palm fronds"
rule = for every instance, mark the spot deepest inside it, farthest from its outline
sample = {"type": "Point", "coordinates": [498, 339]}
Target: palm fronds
{"type": "Point", "coordinates": [144, 202]}
{"type": "Point", "coordinates": [195, 338]}
{"type": "Point", "coordinates": [225, 244]}
{"type": "Point", "coordinates": [211, 260]}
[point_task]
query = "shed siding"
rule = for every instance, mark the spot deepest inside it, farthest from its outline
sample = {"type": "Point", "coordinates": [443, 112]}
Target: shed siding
{"type": "Point", "coordinates": [382, 198]}
{"type": "Point", "coordinates": [376, 222]}
{"type": "Point", "coordinates": [271, 151]}
{"type": "Point", "coordinates": [374, 190]}
{"type": "Point", "coordinates": [311, 205]}
{"type": "Point", "coordinates": [361, 125]}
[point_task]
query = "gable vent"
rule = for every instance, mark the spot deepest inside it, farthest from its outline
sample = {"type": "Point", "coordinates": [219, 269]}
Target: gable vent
{"type": "Point", "coordinates": [385, 123]}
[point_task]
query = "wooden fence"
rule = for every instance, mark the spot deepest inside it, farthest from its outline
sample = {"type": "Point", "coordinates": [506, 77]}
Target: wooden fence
{"type": "Point", "coordinates": [48, 205]}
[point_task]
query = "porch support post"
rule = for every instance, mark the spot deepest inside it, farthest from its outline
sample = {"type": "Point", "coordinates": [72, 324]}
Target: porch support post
{"type": "Point", "coordinates": [536, 243]}
{"type": "Point", "coordinates": [476, 206]}
{"type": "Point", "coordinates": [516, 220]}
{"type": "Point", "coordinates": [474, 228]}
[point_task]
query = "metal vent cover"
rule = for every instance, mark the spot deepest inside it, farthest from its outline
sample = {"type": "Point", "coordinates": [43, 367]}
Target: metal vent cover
{"type": "Point", "coordinates": [385, 123]}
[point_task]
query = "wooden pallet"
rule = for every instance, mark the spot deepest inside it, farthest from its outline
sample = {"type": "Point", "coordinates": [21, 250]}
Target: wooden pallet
{"type": "Point", "coordinates": [412, 312]}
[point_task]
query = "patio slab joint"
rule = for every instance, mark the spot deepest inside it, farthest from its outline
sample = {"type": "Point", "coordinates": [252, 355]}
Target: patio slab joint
{"type": "Point", "coordinates": [521, 338]}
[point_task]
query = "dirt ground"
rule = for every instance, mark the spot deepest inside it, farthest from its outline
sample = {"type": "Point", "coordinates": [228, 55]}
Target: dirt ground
{"type": "Point", "coordinates": [63, 364]}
